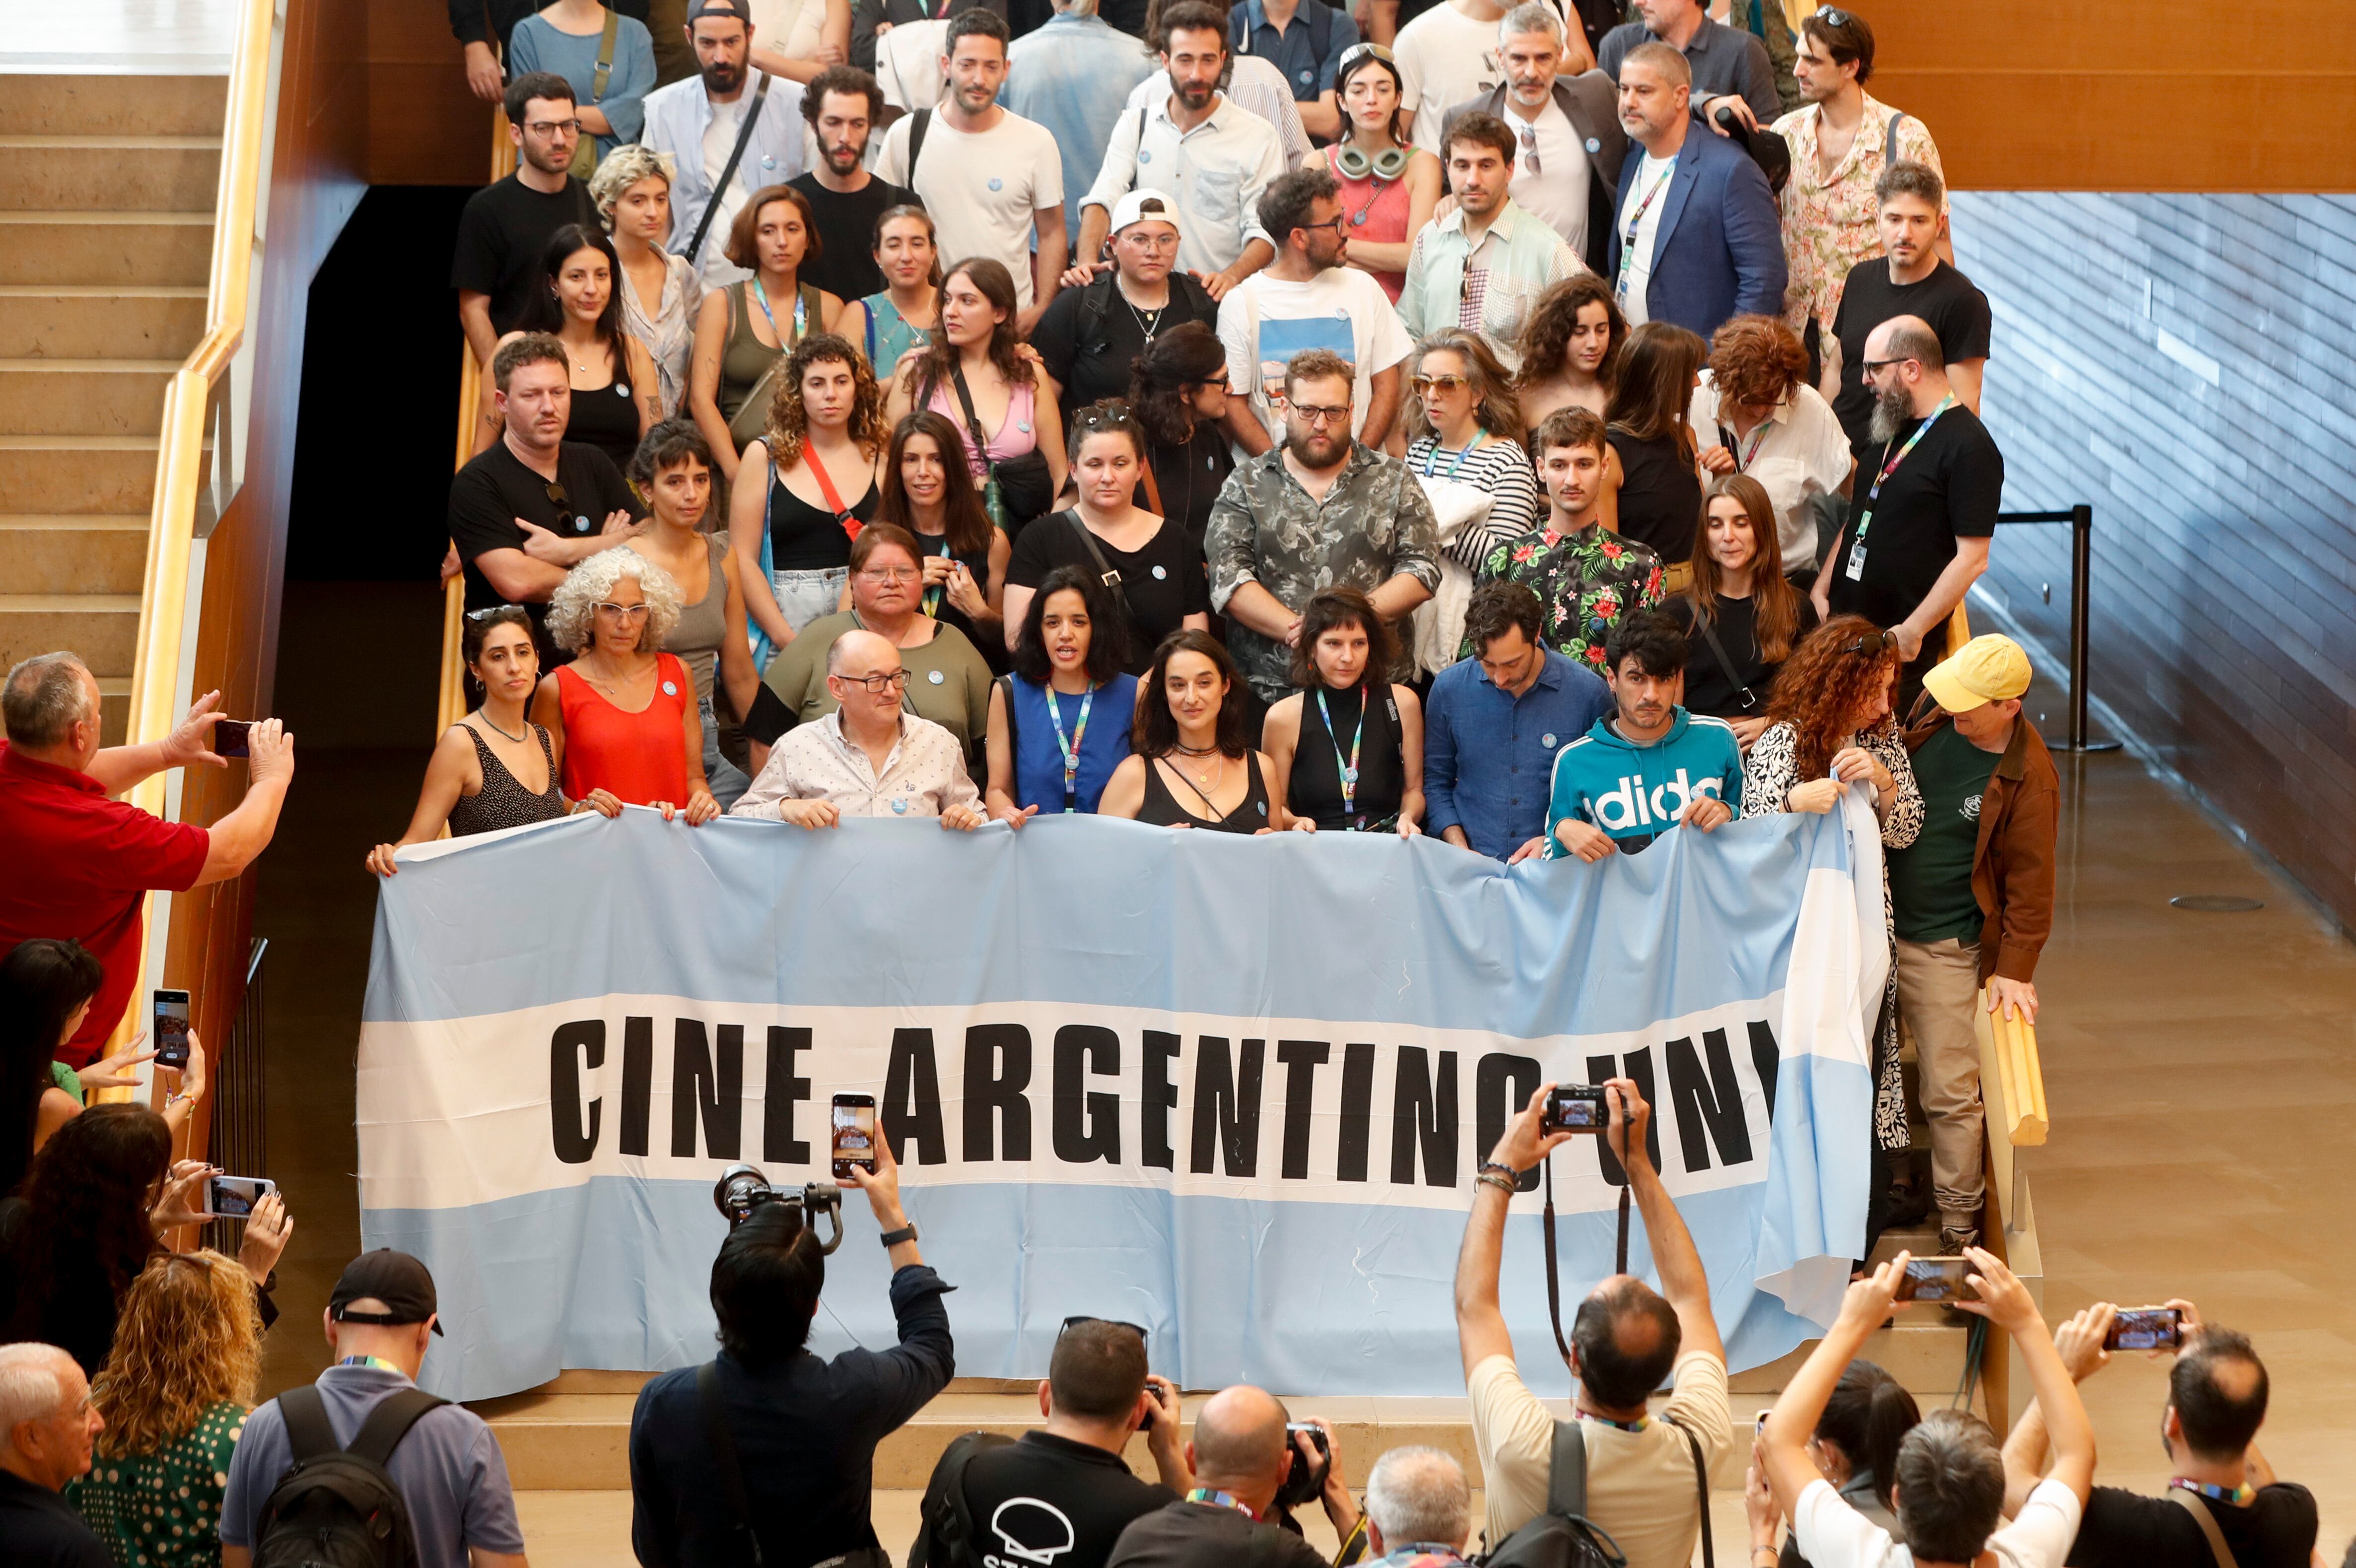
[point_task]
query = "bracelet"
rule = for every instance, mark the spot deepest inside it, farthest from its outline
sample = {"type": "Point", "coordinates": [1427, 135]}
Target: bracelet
{"type": "Point", "coordinates": [893, 1238]}
{"type": "Point", "coordinates": [1501, 1170]}
{"type": "Point", "coordinates": [1506, 1184]}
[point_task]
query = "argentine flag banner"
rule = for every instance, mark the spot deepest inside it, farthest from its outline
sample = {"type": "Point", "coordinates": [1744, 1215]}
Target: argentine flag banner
{"type": "Point", "coordinates": [1235, 1089]}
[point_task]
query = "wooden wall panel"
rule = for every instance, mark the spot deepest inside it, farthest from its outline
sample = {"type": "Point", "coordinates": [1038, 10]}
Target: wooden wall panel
{"type": "Point", "coordinates": [423, 126]}
{"type": "Point", "coordinates": [2179, 362]}
{"type": "Point", "coordinates": [2159, 95]}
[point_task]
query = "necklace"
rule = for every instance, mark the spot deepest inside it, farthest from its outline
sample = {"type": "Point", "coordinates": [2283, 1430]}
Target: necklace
{"type": "Point", "coordinates": [1192, 751]}
{"type": "Point", "coordinates": [1148, 322]}
{"type": "Point", "coordinates": [485, 714]}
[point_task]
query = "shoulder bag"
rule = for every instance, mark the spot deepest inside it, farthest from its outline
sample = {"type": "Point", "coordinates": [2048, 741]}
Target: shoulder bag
{"type": "Point", "coordinates": [1016, 490]}
{"type": "Point", "coordinates": [2208, 1523]}
{"type": "Point", "coordinates": [1106, 572]}
{"type": "Point", "coordinates": [584, 153]}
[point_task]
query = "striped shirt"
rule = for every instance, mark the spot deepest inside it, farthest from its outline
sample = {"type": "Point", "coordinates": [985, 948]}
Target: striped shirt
{"type": "Point", "coordinates": [1499, 467]}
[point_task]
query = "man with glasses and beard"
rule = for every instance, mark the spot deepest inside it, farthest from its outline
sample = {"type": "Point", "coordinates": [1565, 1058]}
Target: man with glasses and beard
{"type": "Point", "coordinates": [1322, 511]}
{"type": "Point", "coordinates": [1922, 504]}
{"type": "Point", "coordinates": [508, 224]}
{"type": "Point", "coordinates": [1061, 1494]}
{"type": "Point", "coordinates": [842, 104]}
{"type": "Point", "coordinates": [701, 123]}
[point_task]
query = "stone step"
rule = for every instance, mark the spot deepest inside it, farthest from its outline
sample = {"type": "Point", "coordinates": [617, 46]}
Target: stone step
{"type": "Point", "coordinates": [113, 708]}
{"type": "Point", "coordinates": [84, 397]}
{"type": "Point", "coordinates": [61, 321]}
{"type": "Point", "coordinates": [103, 628]}
{"type": "Point", "coordinates": [66, 554]}
{"type": "Point", "coordinates": [78, 474]}
{"type": "Point", "coordinates": [115, 173]}
{"type": "Point", "coordinates": [86, 247]}
{"type": "Point", "coordinates": [114, 105]}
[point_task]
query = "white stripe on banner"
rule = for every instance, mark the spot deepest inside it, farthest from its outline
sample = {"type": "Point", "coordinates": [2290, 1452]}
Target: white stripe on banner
{"type": "Point", "coordinates": [1187, 1077]}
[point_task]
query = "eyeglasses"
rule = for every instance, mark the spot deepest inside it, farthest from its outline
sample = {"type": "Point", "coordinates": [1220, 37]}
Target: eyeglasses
{"type": "Point", "coordinates": [889, 574]}
{"type": "Point", "coordinates": [1879, 643]}
{"type": "Point", "coordinates": [1530, 164]}
{"type": "Point", "coordinates": [1429, 384]}
{"type": "Point", "coordinates": [1318, 417]}
{"type": "Point", "coordinates": [878, 684]}
{"type": "Point", "coordinates": [487, 614]}
{"type": "Point", "coordinates": [1334, 224]}
{"type": "Point", "coordinates": [1873, 365]}
{"type": "Point", "coordinates": [1073, 1322]}
{"type": "Point", "coordinates": [625, 612]}
{"type": "Point", "coordinates": [1115, 416]}
{"type": "Point", "coordinates": [547, 129]}
{"type": "Point", "coordinates": [1221, 380]}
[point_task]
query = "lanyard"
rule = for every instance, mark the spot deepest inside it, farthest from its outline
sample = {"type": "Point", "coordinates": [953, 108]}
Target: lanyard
{"type": "Point", "coordinates": [1350, 769]}
{"type": "Point", "coordinates": [1636, 1425]}
{"type": "Point", "coordinates": [1217, 1500]}
{"type": "Point", "coordinates": [1742, 460]}
{"type": "Point", "coordinates": [1071, 748]}
{"type": "Point", "coordinates": [1628, 241]}
{"type": "Point", "coordinates": [1889, 466]}
{"type": "Point", "coordinates": [1433, 455]}
{"type": "Point", "coordinates": [2238, 1496]}
{"type": "Point", "coordinates": [801, 314]}
{"type": "Point", "coordinates": [377, 1361]}
{"type": "Point", "coordinates": [934, 594]}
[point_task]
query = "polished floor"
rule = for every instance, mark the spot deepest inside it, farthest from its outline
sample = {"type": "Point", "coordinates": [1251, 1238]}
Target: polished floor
{"type": "Point", "coordinates": [2200, 1070]}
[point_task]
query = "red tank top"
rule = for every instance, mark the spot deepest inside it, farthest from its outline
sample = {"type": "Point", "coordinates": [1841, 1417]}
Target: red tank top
{"type": "Point", "coordinates": [640, 757]}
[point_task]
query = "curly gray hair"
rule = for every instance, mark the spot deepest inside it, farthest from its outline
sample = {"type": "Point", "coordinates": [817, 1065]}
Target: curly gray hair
{"type": "Point", "coordinates": [625, 166]}
{"type": "Point", "coordinates": [573, 608]}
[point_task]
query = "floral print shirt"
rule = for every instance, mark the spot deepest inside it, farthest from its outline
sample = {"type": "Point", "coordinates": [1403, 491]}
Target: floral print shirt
{"type": "Point", "coordinates": [1585, 579]}
{"type": "Point", "coordinates": [162, 1509]}
{"type": "Point", "coordinates": [1831, 224]}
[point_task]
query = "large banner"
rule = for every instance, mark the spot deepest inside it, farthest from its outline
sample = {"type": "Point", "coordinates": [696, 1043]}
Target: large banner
{"type": "Point", "coordinates": [1232, 1089]}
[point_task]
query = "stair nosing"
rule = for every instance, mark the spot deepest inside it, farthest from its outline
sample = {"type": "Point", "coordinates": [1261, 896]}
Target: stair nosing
{"type": "Point", "coordinates": [106, 215]}
{"type": "Point", "coordinates": [137, 141]}
{"type": "Point", "coordinates": [88, 367]}
{"type": "Point", "coordinates": [75, 522]}
{"type": "Point", "coordinates": [103, 291]}
{"type": "Point", "coordinates": [80, 603]}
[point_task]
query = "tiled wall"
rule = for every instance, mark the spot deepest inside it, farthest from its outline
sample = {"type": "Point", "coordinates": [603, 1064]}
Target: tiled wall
{"type": "Point", "coordinates": [2184, 364]}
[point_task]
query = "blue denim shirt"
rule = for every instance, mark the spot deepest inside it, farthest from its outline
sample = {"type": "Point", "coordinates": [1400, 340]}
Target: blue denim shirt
{"type": "Point", "coordinates": [1488, 755]}
{"type": "Point", "coordinates": [1074, 76]}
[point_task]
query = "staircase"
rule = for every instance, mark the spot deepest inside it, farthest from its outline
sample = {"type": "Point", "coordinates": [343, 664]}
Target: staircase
{"type": "Point", "coordinates": [107, 186]}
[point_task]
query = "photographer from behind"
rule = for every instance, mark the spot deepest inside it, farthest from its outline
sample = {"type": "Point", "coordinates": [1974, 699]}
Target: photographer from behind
{"type": "Point", "coordinates": [803, 1430]}
{"type": "Point", "coordinates": [1252, 1466]}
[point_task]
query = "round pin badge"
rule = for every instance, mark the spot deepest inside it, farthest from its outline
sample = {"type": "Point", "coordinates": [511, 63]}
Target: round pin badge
{"type": "Point", "coordinates": [621, 390]}
{"type": "Point", "coordinates": [1263, 808]}
{"type": "Point", "coordinates": [935, 677]}
{"type": "Point", "coordinates": [671, 688]}
{"type": "Point", "coordinates": [580, 525]}
{"type": "Point", "coordinates": [1593, 146]}
{"type": "Point", "coordinates": [899, 808]}
{"type": "Point", "coordinates": [996, 184]}
{"type": "Point", "coordinates": [1547, 738]}
{"type": "Point", "coordinates": [1022, 425]}
{"type": "Point", "coordinates": [1160, 574]}
{"type": "Point", "coordinates": [1144, 156]}
{"type": "Point", "coordinates": [1307, 77]}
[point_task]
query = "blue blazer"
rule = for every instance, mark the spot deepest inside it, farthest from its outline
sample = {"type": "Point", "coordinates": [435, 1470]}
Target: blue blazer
{"type": "Point", "coordinates": [1720, 251]}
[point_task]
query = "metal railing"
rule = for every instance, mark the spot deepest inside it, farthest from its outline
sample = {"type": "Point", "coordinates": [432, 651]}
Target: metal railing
{"type": "Point", "coordinates": [2080, 518]}
{"type": "Point", "coordinates": [240, 1099]}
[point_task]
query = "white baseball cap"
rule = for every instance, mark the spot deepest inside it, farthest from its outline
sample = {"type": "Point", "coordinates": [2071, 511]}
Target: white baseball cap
{"type": "Point", "coordinates": [1131, 209]}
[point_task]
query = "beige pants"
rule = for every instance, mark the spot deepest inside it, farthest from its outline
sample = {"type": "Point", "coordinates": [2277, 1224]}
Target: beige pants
{"type": "Point", "coordinates": [1938, 991]}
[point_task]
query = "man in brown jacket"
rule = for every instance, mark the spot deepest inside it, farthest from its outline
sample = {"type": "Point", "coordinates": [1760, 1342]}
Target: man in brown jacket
{"type": "Point", "coordinates": [1973, 897]}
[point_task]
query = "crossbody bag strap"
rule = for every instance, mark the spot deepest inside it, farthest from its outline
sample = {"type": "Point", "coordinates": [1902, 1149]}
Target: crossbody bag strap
{"type": "Point", "coordinates": [1890, 143]}
{"type": "Point", "coordinates": [1106, 572]}
{"type": "Point", "coordinates": [1013, 734]}
{"type": "Point", "coordinates": [728, 170]}
{"type": "Point", "coordinates": [849, 524]}
{"type": "Point", "coordinates": [1701, 1484]}
{"type": "Point", "coordinates": [1725, 665]}
{"type": "Point", "coordinates": [2208, 1523]}
{"type": "Point", "coordinates": [923, 123]}
{"type": "Point", "coordinates": [604, 56]}
{"type": "Point", "coordinates": [972, 420]}
{"type": "Point", "coordinates": [1152, 489]}
{"type": "Point", "coordinates": [723, 1444]}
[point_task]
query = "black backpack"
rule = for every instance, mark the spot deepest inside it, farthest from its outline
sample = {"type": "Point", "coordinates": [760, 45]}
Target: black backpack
{"type": "Point", "coordinates": [1563, 1536]}
{"type": "Point", "coordinates": [947, 1521]}
{"type": "Point", "coordinates": [338, 1507]}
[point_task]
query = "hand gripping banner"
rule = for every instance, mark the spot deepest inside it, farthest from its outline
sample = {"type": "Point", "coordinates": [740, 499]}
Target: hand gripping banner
{"type": "Point", "coordinates": [1233, 1089]}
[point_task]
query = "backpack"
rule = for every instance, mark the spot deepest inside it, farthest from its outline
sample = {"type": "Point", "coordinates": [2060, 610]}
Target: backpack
{"type": "Point", "coordinates": [338, 1507]}
{"type": "Point", "coordinates": [1563, 1536]}
{"type": "Point", "coordinates": [947, 1520]}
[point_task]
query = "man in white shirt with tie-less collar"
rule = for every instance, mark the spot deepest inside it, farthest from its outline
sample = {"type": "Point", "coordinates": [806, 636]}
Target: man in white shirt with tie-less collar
{"type": "Point", "coordinates": [698, 121]}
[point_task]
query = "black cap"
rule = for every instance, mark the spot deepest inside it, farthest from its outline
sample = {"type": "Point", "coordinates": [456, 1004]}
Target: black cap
{"type": "Point", "coordinates": [398, 1280]}
{"type": "Point", "coordinates": [737, 8]}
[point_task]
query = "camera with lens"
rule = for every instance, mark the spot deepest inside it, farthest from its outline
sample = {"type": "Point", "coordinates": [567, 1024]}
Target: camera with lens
{"type": "Point", "coordinates": [742, 1188]}
{"type": "Point", "coordinates": [1304, 1480]}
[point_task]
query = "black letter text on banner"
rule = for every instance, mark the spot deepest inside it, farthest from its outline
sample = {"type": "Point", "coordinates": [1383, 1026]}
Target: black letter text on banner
{"type": "Point", "coordinates": [782, 1090]}
{"type": "Point", "coordinates": [638, 1081]}
{"type": "Point", "coordinates": [1502, 1085]}
{"type": "Point", "coordinates": [1710, 1107]}
{"type": "Point", "coordinates": [573, 1048]}
{"type": "Point", "coordinates": [1425, 1112]}
{"type": "Point", "coordinates": [1302, 1058]}
{"type": "Point", "coordinates": [1227, 1102]}
{"type": "Point", "coordinates": [698, 1084]}
{"type": "Point", "coordinates": [1086, 1124]}
{"type": "Point", "coordinates": [1160, 1098]}
{"type": "Point", "coordinates": [912, 1099]}
{"type": "Point", "coordinates": [987, 1090]}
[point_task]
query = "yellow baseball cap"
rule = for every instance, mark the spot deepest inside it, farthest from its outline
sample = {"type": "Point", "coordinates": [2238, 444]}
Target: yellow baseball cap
{"type": "Point", "coordinates": [1984, 670]}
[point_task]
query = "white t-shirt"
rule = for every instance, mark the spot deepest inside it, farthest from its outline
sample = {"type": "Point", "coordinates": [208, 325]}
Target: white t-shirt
{"type": "Point", "coordinates": [794, 28]}
{"type": "Point", "coordinates": [1833, 1535]}
{"type": "Point", "coordinates": [1652, 177]}
{"type": "Point", "coordinates": [1265, 321]}
{"type": "Point", "coordinates": [980, 189]}
{"type": "Point", "coordinates": [1797, 452]}
{"type": "Point", "coordinates": [719, 141]}
{"type": "Point", "coordinates": [1557, 194]}
{"type": "Point", "coordinates": [1444, 58]}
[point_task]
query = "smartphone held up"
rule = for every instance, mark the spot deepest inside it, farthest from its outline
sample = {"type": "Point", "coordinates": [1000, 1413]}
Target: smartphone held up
{"type": "Point", "coordinates": [1937, 1279]}
{"type": "Point", "coordinates": [234, 1196]}
{"type": "Point", "coordinates": [171, 1034]}
{"type": "Point", "coordinates": [2145, 1328]}
{"type": "Point", "coordinates": [854, 1134]}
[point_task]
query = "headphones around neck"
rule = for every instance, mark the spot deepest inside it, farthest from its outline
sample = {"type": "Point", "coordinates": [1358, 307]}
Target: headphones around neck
{"type": "Point", "coordinates": [1388, 164]}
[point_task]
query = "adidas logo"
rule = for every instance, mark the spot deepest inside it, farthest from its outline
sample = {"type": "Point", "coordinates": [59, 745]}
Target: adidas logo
{"type": "Point", "coordinates": [1628, 806]}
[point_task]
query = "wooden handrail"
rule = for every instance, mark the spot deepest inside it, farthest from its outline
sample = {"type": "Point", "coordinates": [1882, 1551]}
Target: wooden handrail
{"type": "Point", "coordinates": [451, 704]}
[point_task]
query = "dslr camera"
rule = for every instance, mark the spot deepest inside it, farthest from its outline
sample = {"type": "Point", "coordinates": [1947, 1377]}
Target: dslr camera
{"type": "Point", "coordinates": [1304, 1480]}
{"type": "Point", "coordinates": [742, 1188]}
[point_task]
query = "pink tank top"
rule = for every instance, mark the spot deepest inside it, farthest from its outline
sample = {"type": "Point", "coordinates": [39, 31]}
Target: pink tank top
{"type": "Point", "coordinates": [1016, 436]}
{"type": "Point", "coordinates": [1374, 209]}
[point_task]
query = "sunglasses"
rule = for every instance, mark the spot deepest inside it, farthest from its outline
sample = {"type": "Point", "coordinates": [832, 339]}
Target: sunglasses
{"type": "Point", "coordinates": [1073, 1322]}
{"type": "Point", "coordinates": [1834, 17]}
{"type": "Point", "coordinates": [1357, 52]}
{"type": "Point", "coordinates": [1440, 383]}
{"type": "Point", "coordinates": [1876, 645]}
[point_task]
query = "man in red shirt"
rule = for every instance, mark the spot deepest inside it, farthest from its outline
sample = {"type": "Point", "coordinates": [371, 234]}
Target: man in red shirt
{"type": "Point", "coordinates": [79, 863]}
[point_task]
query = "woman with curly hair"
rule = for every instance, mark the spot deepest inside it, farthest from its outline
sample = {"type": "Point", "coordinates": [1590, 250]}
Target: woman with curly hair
{"type": "Point", "coordinates": [927, 490]}
{"type": "Point", "coordinates": [87, 1225]}
{"type": "Point", "coordinates": [623, 714]}
{"type": "Point", "coordinates": [804, 490]}
{"type": "Point", "coordinates": [1570, 348]}
{"type": "Point", "coordinates": [744, 332]}
{"type": "Point", "coordinates": [1830, 726]}
{"type": "Point", "coordinates": [975, 373]}
{"type": "Point", "coordinates": [1754, 413]}
{"type": "Point", "coordinates": [174, 1393]}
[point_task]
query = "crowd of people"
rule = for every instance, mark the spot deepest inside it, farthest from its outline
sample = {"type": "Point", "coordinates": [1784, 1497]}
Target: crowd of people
{"type": "Point", "coordinates": [1577, 408]}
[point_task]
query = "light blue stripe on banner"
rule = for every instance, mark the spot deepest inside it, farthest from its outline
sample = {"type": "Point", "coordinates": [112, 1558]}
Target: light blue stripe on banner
{"type": "Point", "coordinates": [1359, 927]}
{"type": "Point", "coordinates": [611, 1273]}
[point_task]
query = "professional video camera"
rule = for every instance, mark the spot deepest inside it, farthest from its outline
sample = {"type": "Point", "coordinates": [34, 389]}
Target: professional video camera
{"type": "Point", "coordinates": [742, 1189]}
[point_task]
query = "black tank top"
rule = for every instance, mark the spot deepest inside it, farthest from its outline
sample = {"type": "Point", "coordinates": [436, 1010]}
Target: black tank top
{"type": "Point", "coordinates": [1660, 497]}
{"type": "Point", "coordinates": [1161, 808]}
{"type": "Point", "coordinates": [503, 801]}
{"type": "Point", "coordinates": [992, 647]}
{"type": "Point", "coordinates": [607, 419]}
{"type": "Point", "coordinates": [803, 538]}
{"type": "Point", "coordinates": [1315, 787]}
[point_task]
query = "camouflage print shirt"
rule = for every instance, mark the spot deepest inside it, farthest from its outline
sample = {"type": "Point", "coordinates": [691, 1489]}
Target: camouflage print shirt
{"type": "Point", "coordinates": [1585, 581]}
{"type": "Point", "coordinates": [1374, 524]}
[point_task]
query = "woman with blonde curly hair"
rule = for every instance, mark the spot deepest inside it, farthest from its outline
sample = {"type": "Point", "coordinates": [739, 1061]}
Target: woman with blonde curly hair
{"type": "Point", "coordinates": [805, 489]}
{"type": "Point", "coordinates": [1570, 348]}
{"type": "Point", "coordinates": [174, 1392]}
{"type": "Point", "coordinates": [661, 292]}
{"type": "Point", "coordinates": [1830, 726]}
{"type": "Point", "coordinates": [623, 714]}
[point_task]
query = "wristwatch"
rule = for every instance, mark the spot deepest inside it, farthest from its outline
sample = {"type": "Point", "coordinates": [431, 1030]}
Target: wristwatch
{"type": "Point", "coordinates": [907, 1233]}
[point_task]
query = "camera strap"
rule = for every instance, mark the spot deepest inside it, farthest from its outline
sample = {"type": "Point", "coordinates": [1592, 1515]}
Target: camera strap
{"type": "Point", "coordinates": [1554, 1275]}
{"type": "Point", "coordinates": [722, 1444]}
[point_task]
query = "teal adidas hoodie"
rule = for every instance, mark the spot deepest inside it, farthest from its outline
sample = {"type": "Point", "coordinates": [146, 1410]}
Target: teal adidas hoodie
{"type": "Point", "coordinates": [1636, 793]}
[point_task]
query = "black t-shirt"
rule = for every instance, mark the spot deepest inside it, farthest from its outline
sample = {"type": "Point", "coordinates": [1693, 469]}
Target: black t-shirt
{"type": "Point", "coordinates": [1948, 488]}
{"type": "Point", "coordinates": [1090, 338]}
{"type": "Point", "coordinates": [1660, 496]}
{"type": "Point", "coordinates": [503, 232]}
{"type": "Point", "coordinates": [40, 1529]}
{"type": "Point", "coordinates": [1708, 690]}
{"type": "Point", "coordinates": [1190, 478]}
{"type": "Point", "coordinates": [1955, 310]}
{"type": "Point", "coordinates": [846, 234]}
{"type": "Point", "coordinates": [1164, 582]}
{"type": "Point", "coordinates": [1204, 1535]}
{"type": "Point", "coordinates": [2124, 1529]}
{"type": "Point", "coordinates": [1067, 1502]}
{"type": "Point", "coordinates": [495, 488]}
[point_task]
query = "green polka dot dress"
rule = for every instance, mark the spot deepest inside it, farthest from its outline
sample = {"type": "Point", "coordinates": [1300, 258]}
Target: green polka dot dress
{"type": "Point", "coordinates": [162, 1509]}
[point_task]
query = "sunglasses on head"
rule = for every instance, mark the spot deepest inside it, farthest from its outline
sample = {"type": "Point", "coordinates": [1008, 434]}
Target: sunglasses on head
{"type": "Point", "coordinates": [1876, 643]}
{"type": "Point", "coordinates": [1075, 1321]}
